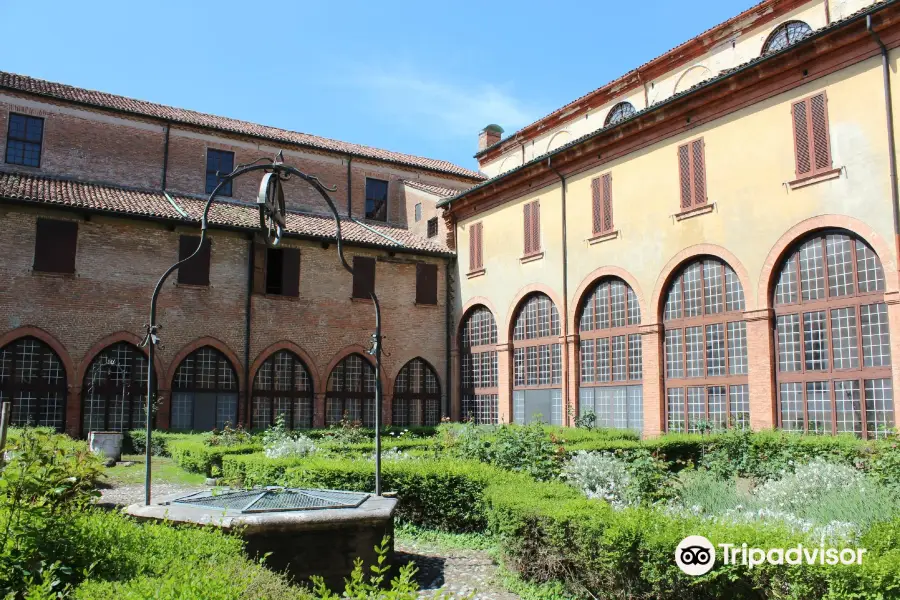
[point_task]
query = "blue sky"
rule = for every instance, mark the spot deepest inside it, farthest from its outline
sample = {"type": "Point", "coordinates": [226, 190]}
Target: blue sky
{"type": "Point", "coordinates": [415, 77]}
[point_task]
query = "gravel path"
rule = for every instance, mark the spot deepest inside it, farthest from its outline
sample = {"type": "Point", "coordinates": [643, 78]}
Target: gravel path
{"type": "Point", "coordinates": [123, 495]}
{"type": "Point", "coordinates": [457, 571]}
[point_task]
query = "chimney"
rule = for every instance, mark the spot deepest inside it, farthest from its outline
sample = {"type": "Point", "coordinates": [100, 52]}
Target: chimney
{"type": "Point", "coordinates": [489, 136]}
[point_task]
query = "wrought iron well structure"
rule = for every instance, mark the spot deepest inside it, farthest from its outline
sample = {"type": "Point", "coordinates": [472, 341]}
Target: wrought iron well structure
{"type": "Point", "coordinates": [272, 224]}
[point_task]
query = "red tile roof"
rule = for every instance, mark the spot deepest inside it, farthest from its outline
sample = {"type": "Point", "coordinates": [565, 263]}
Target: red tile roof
{"type": "Point", "coordinates": [154, 204]}
{"type": "Point", "coordinates": [23, 83]}
{"type": "Point", "coordinates": [437, 190]}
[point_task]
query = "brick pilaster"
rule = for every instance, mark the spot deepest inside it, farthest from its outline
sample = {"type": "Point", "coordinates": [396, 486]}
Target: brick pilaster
{"type": "Point", "coordinates": [651, 346]}
{"type": "Point", "coordinates": [760, 371]}
{"type": "Point", "coordinates": [504, 383]}
{"type": "Point", "coordinates": [319, 409]}
{"type": "Point", "coordinates": [573, 375]}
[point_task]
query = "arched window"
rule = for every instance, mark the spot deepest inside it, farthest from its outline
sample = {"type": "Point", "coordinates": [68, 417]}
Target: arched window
{"type": "Point", "coordinates": [478, 360]}
{"type": "Point", "coordinates": [282, 386]}
{"type": "Point", "coordinates": [706, 349]}
{"type": "Point", "coordinates": [33, 379]}
{"type": "Point", "coordinates": [619, 112]}
{"type": "Point", "coordinates": [833, 339]}
{"type": "Point", "coordinates": [611, 359]}
{"type": "Point", "coordinates": [205, 392]}
{"type": "Point", "coordinates": [417, 395]}
{"type": "Point", "coordinates": [785, 35]}
{"type": "Point", "coordinates": [115, 390]}
{"type": "Point", "coordinates": [351, 392]}
{"type": "Point", "coordinates": [537, 362]}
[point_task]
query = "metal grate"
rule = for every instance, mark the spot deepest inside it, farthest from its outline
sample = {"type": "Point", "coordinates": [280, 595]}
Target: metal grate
{"type": "Point", "coordinates": [273, 499]}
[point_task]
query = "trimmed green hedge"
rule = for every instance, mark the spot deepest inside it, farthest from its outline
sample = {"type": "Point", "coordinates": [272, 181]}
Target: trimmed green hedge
{"type": "Point", "coordinates": [550, 531]}
{"type": "Point", "coordinates": [135, 441]}
{"type": "Point", "coordinates": [195, 456]}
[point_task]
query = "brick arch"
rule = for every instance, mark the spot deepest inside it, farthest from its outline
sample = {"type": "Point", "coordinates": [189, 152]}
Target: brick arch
{"type": "Point", "coordinates": [786, 242]}
{"type": "Point", "coordinates": [587, 284]}
{"type": "Point", "coordinates": [212, 343]}
{"type": "Point", "coordinates": [54, 344]}
{"type": "Point", "coordinates": [517, 300]}
{"type": "Point", "coordinates": [437, 374]}
{"type": "Point", "coordinates": [677, 261]}
{"type": "Point", "coordinates": [314, 375]}
{"type": "Point", "coordinates": [386, 382]}
{"type": "Point", "coordinates": [114, 338]}
{"type": "Point", "coordinates": [464, 313]}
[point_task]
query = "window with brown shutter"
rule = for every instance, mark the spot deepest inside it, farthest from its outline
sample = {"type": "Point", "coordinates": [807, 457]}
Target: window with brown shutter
{"type": "Point", "coordinates": [432, 227]}
{"type": "Point", "coordinates": [196, 270]}
{"type": "Point", "coordinates": [426, 283]}
{"type": "Point", "coordinates": [363, 276]}
{"type": "Point", "coordinates": [812, 149]}
{"type": "Point", "coordinates": [259, 268]}
{"type": "Point", "coordinates": [692, 169]}
{"type": "Point", "coordinates": [54, 246]}
{"type": "Point", "coordinates": [283, 271]}
{"type": "Point", "coordinates": [476, 247]}
{"type": "Point", "coordinates": [532, 224]}
{"type": "Point", "coordinates": [601, 191]}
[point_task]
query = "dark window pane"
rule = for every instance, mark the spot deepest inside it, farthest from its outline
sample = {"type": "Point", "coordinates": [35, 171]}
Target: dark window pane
{"type": "Point", "coordinates": [274, 269]}
{"type": "Point", "coordinates": [221, 162]}
{"type": "Point", "coordinates": [23, 140]}
{"type": "Point", "coordinates": [376, 199]}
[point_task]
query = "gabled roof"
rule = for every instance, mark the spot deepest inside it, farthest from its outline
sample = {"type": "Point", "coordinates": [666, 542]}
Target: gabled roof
{"type": "Point", "coordinates": [60, 91]}
{"type": "Point", "coordinates": [432, 189]}
{"type": "Point", "coordinates": [230, 215]}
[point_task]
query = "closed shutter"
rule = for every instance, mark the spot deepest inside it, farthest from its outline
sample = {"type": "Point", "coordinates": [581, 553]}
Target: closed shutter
{"type": "Point", "coordinates": [363, 276]}
{"type": "Point", "coordinates": [536, 226]}
{"type": "Point", "coordinates": [426, 284]}
{"type": "Point", "coordinates": [259, 268]}
{"type": "Point", "coordinates": [475, 247]}
{"type": "Point", "coordinates": [698, 166]}
{"type": "Point", "coordinates": [812, 148]}
{"type": "Point", "coordinates": [684, 168]}
{"type": "Point", "coordinates": [290, 272]}
{"type": "Point", "coordinates": [55, 246]}
{"type": "Point", "coordinates": [597, 205]}
{"type": "Point", "coordinates": [196, 270]}
{"type": "Point", "coordinates": [607, 203]}
{"type": "Point", "coordinates": [692, 173]}
{"type": "Point", "coordinates": [528, 229]}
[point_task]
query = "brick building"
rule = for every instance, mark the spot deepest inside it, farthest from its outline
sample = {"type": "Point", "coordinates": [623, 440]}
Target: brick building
{"type": "Point", "coordinates": [708, 240]}
{"type": "Point", "coordinates": [100, 194]}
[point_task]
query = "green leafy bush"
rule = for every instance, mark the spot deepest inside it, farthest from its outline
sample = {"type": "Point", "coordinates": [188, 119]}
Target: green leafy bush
{"type": "Point", "coordinates": [135, 441]}
{"type": "Point", "coordinates": [197, 457]}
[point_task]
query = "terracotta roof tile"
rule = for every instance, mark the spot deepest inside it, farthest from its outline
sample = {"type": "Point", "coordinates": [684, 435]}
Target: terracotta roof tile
{"type": "Point", "coordinates": [437, 190]}
{"type": "Point", "coordinates": [74, 194]}
{"type": "Point", "coordinates": [23, 83]}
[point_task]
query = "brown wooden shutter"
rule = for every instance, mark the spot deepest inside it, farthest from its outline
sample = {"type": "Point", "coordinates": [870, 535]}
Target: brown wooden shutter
{"type": "Point", "coordinates": [259, 268]}
{"type": "Point", "coordinates": [363, 276]}
{"type": "Point", "coordinates": [528, 228]}
{"type": "Point", "coordinates": [821, 148]}
{"type": "Point", "coordinates": [290, 272]}
{"type": "Point", "coordinates": [812, 147]}
{"type": "Point", "coordinates": [800, 111]}
{"type": "Point", "coordinates": [475, 247]}
{"type": "Point", "coordinates": [684, 168]}
{"type": "Point", "coordinates": [196, 270]}
{"type": "Point", "coordinates": [607, 224]}
{"type": "Point", "coordinates": [480, 247]}
{"type": "Point", "coordinates": [426, 283]}
{"type": "Point", "coordinates": [698, 166]}
{"type": "Point", "coordinates": [597, 204]}
{"type": "Point", "coordinates": [55, 246]}
{"type": "Point", "coordinates": [536, 226]}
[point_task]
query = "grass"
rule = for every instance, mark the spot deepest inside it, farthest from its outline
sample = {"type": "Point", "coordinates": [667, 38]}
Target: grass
{"type": "Point", "coordinates": [408, 534]}
{"type": "Point", "coordinates": [163, 470]}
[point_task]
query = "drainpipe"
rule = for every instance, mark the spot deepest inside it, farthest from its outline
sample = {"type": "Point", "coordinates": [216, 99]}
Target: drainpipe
{"type": "Point", "coordinates": [892, 149]}
{"type": "Point", "coordinates": [565, 299]}
{"type": "Point", "coordinates": [448, 309]}
{"type": "Point", "coordinates": [349, 187]}
{"type": "Point", "coordinates": [165, 168]}
{"type": "Point", "coordinates": [248, 312]}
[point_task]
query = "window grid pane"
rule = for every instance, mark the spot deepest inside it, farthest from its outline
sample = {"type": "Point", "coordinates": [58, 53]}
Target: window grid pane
{"type": "Point", "coordinates": [843, 338]}
{"type": "Point", "coordinates": [635, 357]}
{"type": "Point", "coordinates": [818, 407]}
{"type": "Point", "coordinates": [847, 407]}
{"type": "Point", "coordinates": [715, 350]}
{"type": "Point", "coordinates": [876, 339]}
{"type": "Point", "coordinates": [789, 348]}
{"type": "Point", "coordinates": [675, 409]}
{"type": "Point", "coordinates": [840, 265]}
{"type": "Point", "coordinates": [812, 270]}
{"type": "Point", "coordinates": [693, 348]}
{"type": "Point", "coordinates": [712, 287]}
{"type": "Point", "coordinates": [869, 271]}
{"type": "Point", "coordinates": [737, 348]}
{"type": "Point", "coordinates": [739, 400]}
{"type": "Point", "coordinates": [879, 407]}
{"type": "Point", "coordinates": [791, 400]}
{"type": "Point", "coordinates": [815, 338]}
{"type": "Point", "coordinates": [674, 354]}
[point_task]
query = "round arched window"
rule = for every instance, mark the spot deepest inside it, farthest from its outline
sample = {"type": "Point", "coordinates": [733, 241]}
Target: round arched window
{"type": "Point", "coordinates": [33, 379]}
{"type": "Point", "coordinates": [282, 386]}
{"type": "Point", "coordinates": [610, 356]}
{"type": "Point", "coordinates": [115, 390]}
{"type": "Point", "coordinates": [417, 395]}
{"type": "Point", "coordinates": [833, 339]}
{"type": "Point", "coordinates": [786, 35]}
{"type": "Point", "coordinates": [619, 112]}
{"type": "Point", "coordinates": [478, 366]}
{"type": "Point", "coordinates": [351, 392]}
{"type": "Point", "coordinates": [706, 349]}
{"type": "Point", "coordinates": [537, 362]}
{"type": "Point", "coordinates": [205, 392]}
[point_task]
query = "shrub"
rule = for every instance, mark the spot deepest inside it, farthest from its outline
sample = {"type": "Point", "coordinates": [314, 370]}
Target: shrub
{"type": "Point", "coordinates": [290, 447]}
{"type": "Point", "coordinates": [527, 449]}
{"type": "Point", "coordinates": [231, 436]}
{"type": "Point", "coordinates": [135, 441]}
{"type": "Point", "coordinates": [599, 476]}
{"type": "Point", "coordinates": [197, 457]}
{"type": "Point", "coordinates": [808, 484]}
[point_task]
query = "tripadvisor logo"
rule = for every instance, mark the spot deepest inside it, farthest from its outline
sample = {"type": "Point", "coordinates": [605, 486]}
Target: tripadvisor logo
{"type": "Point", "coordinates": [695, 555]}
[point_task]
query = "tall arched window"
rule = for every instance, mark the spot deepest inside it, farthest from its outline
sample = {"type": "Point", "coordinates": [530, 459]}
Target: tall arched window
{"type": "Point", "coordinates": [833, 340]}
{"type": "Point", "coordinates": [115, 390]}
{"type": "Point", "coordinates": [205, 392]}
{"type": "Point", "coordinates": [478, 366]}
{"type": "Point", "coordinates": [33, 379]}
{"type": "Point", "coordinates": [611, 359]}
{"type": "Point", "coordinates": [785, 35]}
{"type": "Point", "coordinates": [537, 362]}
{"type": "Point", "coordinates": [351, 392]}
{"type": "Point", "coordinates": [619, 112]}
{"type": "Point", "coordinates": [417, 395]}
{"type": "Point", "coordinates": [282, 386]}
{"type": "Point", "coordinates": [706, 349]}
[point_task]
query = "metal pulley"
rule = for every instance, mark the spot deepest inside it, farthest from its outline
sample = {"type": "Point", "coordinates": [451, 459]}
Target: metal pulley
{"type": "Point", "coordinates": [271, 208]}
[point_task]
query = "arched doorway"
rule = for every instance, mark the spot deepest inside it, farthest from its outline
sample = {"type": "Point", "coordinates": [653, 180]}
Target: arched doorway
{"type": "Point", "coordinates": [282, 386]}
{"type": "Point", "coordinates": [204, 392]}
{"type": "Point", "coordinates": [478, 366]}
{"type": "Point", "coordinates": [350, 393]}
{"type": "Point", "coordinates": [537, 362]}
